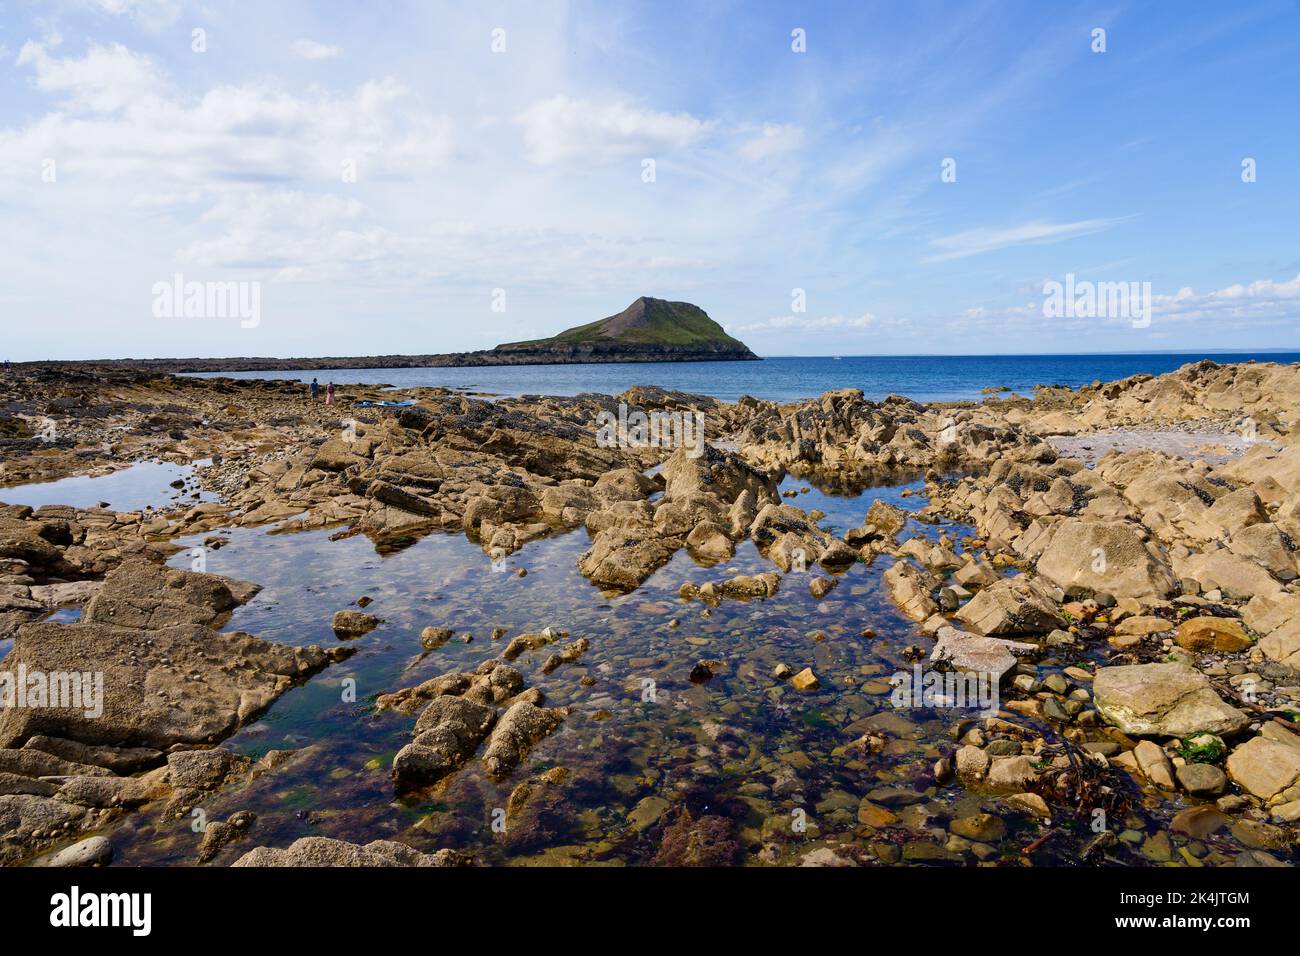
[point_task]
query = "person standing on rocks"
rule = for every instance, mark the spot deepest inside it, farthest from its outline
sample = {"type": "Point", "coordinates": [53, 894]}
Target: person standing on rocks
{"type": "Point", "coordinates": [315, 387]}
{"type": "Point", "coordinates": [329, 394]}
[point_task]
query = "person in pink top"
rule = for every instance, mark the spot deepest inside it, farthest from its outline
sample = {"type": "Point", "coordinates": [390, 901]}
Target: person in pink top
{"type": "Point", "coordinates": [329, 394]}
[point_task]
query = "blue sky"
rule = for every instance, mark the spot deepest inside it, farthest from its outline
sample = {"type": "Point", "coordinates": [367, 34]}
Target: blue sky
{"type": "Point", "coordinates": [502, 195]}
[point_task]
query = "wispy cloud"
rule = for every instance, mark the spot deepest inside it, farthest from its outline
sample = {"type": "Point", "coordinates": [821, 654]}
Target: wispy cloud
{"type": "Point", "coordinates": [313, 50]}
{"type": "Point", "coordinates": [562, 128]}
{"type": "Point", "coordinates": [808, 323]}
{"type": "Point", "coordinates": [772, 139]}
{"type": "Point", "coordinates": [974, 242]}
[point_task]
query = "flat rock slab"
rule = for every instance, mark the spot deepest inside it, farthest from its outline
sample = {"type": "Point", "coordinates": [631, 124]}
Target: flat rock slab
{"type": "Point", "coordinates": [1213, 447]}
{"type": "Point", "coordinates": [1163, 700]}
{"type": "Point", "coordinates": [975, 652]}
{"type": "Point", "coordinates": [185, 684]}
{"type": "Point", "coordinates": [145, 595]}
{"type": "Point", "coordinates": [1265, 767]}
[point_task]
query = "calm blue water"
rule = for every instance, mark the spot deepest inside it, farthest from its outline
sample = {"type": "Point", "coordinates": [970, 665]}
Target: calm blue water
{"type": "Point", "coordinates": [924, 378]}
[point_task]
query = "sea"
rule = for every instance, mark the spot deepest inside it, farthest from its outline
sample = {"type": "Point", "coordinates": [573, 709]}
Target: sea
{"type": "Point", "coordinates": [925, 378]}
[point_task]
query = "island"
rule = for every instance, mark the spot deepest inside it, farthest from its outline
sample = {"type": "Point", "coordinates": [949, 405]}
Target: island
{"type": "Point", "coordinates": [648, 330]}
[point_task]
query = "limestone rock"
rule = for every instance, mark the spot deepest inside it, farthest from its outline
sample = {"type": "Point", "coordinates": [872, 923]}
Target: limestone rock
{"type": "Point", "coordinates": [1110, 556]}
{"type": "Point", "coordinates": [1163, 700]}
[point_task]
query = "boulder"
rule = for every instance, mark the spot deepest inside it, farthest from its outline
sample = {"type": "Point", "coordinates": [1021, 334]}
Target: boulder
{"type": "Point", "coordinates": [620, 558]}
{"type": "Point", "coordinates": [348, 625]}
{"type": "Point", "coordinates": [709, 542]}
{"type": "Point", "coordinates": [1163, 700]}
{"type": "Point", "coordinates": [975, 652]}
{"type": "Point", "coordinates": [1204, 634]}
{"type": "Point", "coordinates": [446, 735]}
{"type": "Point", "coordinates": [1016, 605]}
{"type": "Point", "coordinates": [1265, 767]}
{"type": "Point", "coordinates": [518, 731]}
{"type": "Point", "coordinates": [1089, 556]}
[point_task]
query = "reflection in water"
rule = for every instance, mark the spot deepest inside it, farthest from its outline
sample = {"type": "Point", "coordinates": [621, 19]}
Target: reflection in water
{"type": "Point", "coordinates": [741, 744]}
{"type": "Point", "coordinates": [146, 484]}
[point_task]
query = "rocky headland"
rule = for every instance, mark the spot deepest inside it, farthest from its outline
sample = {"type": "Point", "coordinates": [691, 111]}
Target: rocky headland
{"type": "Point", "coordinates": [648, 330]}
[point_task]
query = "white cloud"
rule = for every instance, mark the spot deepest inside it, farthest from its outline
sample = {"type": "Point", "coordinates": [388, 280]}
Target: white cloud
{"type": "Point", "coordinates": [561, 129]}
{"type": "Point", "coordinates": [313, 50]}
{"type": "Point", "coordinates": [1261, 301]}
{"type": "Point", "coordinates": [105, 80]}
{"type": "Point", "coordinates": [807, 323]}
{"type": "Point", "coordinates": [772, 139]}
{"type": "Point", "coordinates": [976, 241]}
{"type": "Point", "coordinates": [151, 14]}
{"type": "Point", "coordinates": [120, 117]}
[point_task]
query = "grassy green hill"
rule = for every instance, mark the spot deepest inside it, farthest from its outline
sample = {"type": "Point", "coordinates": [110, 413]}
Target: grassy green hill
{"type": "Point", "coordinates": [647, 324]}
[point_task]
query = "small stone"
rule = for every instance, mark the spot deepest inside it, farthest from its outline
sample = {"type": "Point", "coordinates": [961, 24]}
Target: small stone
{"type": "Point", "coordinates": [874, 815]}
{"type": "Point", "coordinates": [352, 624]}
{"type": "Point", "coordinates": [805, 680]}
{"type": "Point", "coordinates": [1220, 634]}
{"type": "Point", "coordinates": [1199, 822]}
{"type": "Point", "coordinates": [1202, 779]}
{"type": "Point", "coordinates": [980, 827]}
{"type": "Point", "coordinates": [1155, 764]}
{"type": "Point", "coordinates": [647, 813]}
{"type": "Point", "coordinates": [94, 851]}
{"type": "Point", "coordinates": [1030, 803]}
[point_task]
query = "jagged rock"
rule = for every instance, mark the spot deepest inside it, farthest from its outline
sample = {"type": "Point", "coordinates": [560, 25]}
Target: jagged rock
{"type": "Point", "coordinates": [910, 589]}
{"type": "Point", "coordinates": [887, 520]}
{"type": "Point", "coordinates": [1016, 605]}
{"type": "Point", "coordinates": [491, 683]}
{"type": "Point", "coordinates": [566, 655]}
{"type": "Point", "coordinates": [447, 733]}
{"type": "Point", "coordinates": [975, 652]}
{"type": "Point", "coordinates": [710, 542]}
{"type": "Point", "coordinates": [120, 760]}
{"type": "Point", "coordinates": [1090, 556]}
{"type": "Point", "coordinates": [348, 625]}
{"type": "Point", "coordinates": [518, 731]}
{"type": "Point", "coordinates": [322, 851]}
{"type": "Point", "coordinates": [141, 594]}
{"type": "Point", "coordinates": [219, 834]}
{"type": "Point", "coordinates": [621, 558]}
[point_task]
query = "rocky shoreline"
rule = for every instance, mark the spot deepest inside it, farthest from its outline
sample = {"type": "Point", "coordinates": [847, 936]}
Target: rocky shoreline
{"type": "Point", "coordinates": [1129, 579]}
